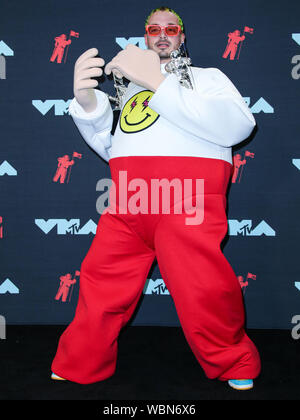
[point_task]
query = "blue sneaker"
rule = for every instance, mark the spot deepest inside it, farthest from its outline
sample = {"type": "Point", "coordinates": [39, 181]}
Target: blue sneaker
{"type": "Point", "coordinates": [241, 384]}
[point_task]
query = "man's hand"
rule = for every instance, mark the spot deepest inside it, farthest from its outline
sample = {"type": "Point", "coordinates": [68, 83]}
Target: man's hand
{"type": "Point", "coordinates": [142, 67]}
{"type": "Point", "coordinates": [87, 66]}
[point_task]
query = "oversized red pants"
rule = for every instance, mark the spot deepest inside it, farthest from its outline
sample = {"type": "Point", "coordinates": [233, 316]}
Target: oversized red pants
{"type": "Point", "coordinates": [203, 285]}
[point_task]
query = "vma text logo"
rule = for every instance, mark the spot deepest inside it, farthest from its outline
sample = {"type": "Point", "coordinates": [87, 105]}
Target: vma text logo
{"type": "Point", "coordinates": [66, 227]}
{"type": "Point", "coordinates": [60, 106]}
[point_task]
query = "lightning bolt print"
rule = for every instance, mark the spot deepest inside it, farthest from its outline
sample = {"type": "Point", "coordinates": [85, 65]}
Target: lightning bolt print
{"type": "Point", "coordinates": [145, 103]}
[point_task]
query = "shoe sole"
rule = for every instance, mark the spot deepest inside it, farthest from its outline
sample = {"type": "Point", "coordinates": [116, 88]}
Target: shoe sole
{"type": "Point", "coordinates": [57, 378]}
{"type": "Point", "coordinates": [241, 387]}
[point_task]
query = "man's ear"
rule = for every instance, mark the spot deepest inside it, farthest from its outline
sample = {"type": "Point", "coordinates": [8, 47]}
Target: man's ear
{"type": "Point", "coordinates": [146, 40]}
{"type": "Point", "coordinates": [182, 37]}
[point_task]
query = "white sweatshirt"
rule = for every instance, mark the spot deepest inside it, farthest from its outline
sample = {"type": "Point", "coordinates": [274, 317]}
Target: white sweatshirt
{"type": "Point", "coordinates": [203, 122]}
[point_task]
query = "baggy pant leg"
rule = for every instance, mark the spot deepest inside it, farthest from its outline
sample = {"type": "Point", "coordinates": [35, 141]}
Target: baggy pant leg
{"type": "Point", "coordinates": [112, 278]}
{"type": "Point", "coordinates": [206, 291]}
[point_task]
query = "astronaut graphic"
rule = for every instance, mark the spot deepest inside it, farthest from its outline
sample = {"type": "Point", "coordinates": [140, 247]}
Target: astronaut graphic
{"type": "Point", "coordinates": [238, 165]}
{"type": "Point", "coordinates": [66, 284]}
{"type": "Point", "coordinates": [60, 43]}
{"type": "Point", "coordinates": [245, 283]}
{"type": "Point", "coordinates": [63, 164]}
{"type": "Point", "coordinates": [234, 39]}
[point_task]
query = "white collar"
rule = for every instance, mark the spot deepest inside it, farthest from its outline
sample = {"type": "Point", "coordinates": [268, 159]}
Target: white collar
{"type": "Point", "coordinates": [162, 68]}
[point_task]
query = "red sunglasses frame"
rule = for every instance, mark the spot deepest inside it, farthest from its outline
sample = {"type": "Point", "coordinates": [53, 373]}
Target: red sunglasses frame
{"type": "Point", "coordinates": [164, 28]}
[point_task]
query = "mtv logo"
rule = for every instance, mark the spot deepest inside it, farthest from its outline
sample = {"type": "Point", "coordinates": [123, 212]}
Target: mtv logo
{"type": "Point", "coordinates": [139, 41]}
{"type": "Point", "coordinates": [8, 287]}
{"type": "Point", "coordinates": [155, 287]}
{"type": "Point", "coordinates": [7, 169]}
{"type": "Point", "coordinates": [244, 228]}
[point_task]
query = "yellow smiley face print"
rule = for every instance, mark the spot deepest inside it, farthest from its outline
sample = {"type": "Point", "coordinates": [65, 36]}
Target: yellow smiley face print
{"type": "Point", "coordinates": [136, 114]}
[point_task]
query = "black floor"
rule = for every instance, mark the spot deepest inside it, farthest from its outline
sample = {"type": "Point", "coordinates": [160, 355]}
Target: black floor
{"type": "Point", "coordinates": [154, 363]}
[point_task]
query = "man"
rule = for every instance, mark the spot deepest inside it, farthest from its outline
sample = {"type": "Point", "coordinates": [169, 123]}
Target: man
{"type": "Point", "coordinates": [165, 131]}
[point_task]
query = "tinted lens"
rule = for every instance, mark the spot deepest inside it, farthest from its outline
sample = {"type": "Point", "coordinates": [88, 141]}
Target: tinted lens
{"type": "Point", "coordinates": [154, 30]}
{"type": "Point", "coordinates": [172, 30]}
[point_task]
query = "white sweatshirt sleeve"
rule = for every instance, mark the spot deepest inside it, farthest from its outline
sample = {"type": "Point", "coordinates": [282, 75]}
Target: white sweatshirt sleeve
{"type": "Point", "coordinates": [215, 112]}
{"type": "Point", "coordinates": [95, 127]}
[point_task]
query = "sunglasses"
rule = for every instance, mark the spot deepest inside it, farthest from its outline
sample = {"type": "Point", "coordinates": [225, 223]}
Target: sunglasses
{"type": "Point", "coordinates": [170, 30]}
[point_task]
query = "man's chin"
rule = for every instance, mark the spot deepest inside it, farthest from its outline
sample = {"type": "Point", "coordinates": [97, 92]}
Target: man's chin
{"type": "Point", "coordinates": [164, 54]}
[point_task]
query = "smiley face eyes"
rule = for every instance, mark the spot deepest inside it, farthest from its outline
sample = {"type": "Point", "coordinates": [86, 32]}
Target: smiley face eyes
{"type": "Point", "coordinates": [134, 103]}
{"type": "Point", "coordinates": [145, 103]}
